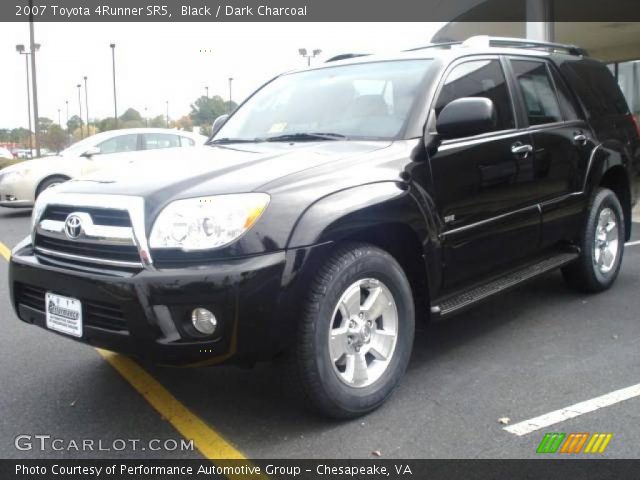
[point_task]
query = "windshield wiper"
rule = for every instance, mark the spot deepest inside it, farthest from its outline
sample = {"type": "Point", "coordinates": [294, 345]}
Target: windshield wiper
{"type": "Point", "coordinates": [226, 140]}
{"type": "Point", "coordinates": [300, 137]}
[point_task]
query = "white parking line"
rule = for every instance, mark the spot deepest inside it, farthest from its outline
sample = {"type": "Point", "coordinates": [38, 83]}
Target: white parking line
{"type": "Point", "coordinates": [632, 244]}
{"type": "Point", "coordinates": [573, 411]}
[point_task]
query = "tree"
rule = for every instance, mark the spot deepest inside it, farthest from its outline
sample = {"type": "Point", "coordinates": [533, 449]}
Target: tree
{"type": "Point", "coordinates": [205, 110]}
{"type": "Point", "coordinates": [106, 124]}
{"type": "Point", "coordinates": [79, 135]}
{"type": "Point", "coordinates": [74, 123]}
{"type": "Point", "coordinates": [55, 138]}
{"type": "Point", "coordinates": [131, 115]}
{"type": "Point", "coordinates": [158, 122]}
{"type": "Point", "coordinates": [184, 123]}
{"type": "Point", "coordinates": [44, 124]}
{"type": "Point", "coordinates": [20, 135]}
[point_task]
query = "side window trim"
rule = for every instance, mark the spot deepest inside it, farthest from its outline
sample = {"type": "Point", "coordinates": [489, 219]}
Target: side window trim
{"type": "Point", "coordinates": [521, 103]}
{"type": "Point", "coordinates": [441, 82]}
{"type": "Point", "coordinates": [571, 96]}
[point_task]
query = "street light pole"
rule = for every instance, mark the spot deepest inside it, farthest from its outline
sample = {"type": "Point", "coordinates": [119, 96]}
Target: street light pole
{"type": "Point", "coordinates": [21, 50]}
{"type": "Point", "coordinates": [34, 47]}
{"type": "Point", "coordinates": [146, 118]}
{"type": "Point", "coordinates": [80, 106]}
{"type": "Point", "coordinates": [230, 97]}
{"type": "Point", "coordinates": [67, 104]}
{"type": "Point", "coordinates": [115, 102]}
{"type": "Point", "coordinates": [314, 53]}
{"type": "Point", "coordinates": [59, 120]}
{"type": "Point", "coordinates": [86, 104]}
{"type": "Point", "coordinates": [207, 90]}
{"type": "Point", "coordinates": [167, 102]}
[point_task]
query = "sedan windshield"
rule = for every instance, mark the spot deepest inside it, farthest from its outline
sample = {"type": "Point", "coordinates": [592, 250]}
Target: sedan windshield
{"type": "Point", "coordinates": [368, 100]}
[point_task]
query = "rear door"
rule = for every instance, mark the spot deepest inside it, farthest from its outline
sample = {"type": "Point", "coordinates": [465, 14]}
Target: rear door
{"type": "Point", "coordinates": [484, 185]}
{"type": "Point", "coordinates": [562, 144]}
{"type": "Point", "coordinates": [155, 141]}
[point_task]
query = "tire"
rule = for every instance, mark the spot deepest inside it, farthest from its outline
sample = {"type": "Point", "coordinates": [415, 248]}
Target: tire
{"type": "Point", "coordinates": [351, 276]}
{"type": "Point", "coordinates": [594, 271]}
{"type": "Point", "coordinates": [50, 182]}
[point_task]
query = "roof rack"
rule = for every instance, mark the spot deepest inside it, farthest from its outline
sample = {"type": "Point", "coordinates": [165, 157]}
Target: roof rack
{"type": "Point", "coordinates": [345, 56]}
{"type": "Point", "coordinates": [434, 45]}
{"type": "Point", "coordinates": [488, 41]}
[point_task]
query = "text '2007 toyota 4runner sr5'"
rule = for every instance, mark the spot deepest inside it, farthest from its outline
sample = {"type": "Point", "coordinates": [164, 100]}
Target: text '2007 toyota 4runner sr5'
{"type": "Point", "coordinates": [335, 206]}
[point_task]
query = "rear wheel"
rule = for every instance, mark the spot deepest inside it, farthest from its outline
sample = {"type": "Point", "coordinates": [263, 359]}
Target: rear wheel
{"type": "Point", "coordinates": [356, 334]}
{"type": "Point", "coordinates": [602, 245]}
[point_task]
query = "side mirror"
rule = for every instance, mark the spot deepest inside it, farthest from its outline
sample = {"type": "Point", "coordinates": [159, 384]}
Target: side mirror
{"type": "Point", "coordinates": [91, 152]}
{"type": "Point", "coordinates": [466, 117]}
{"type": "Point", "coordinates": [218, 123]}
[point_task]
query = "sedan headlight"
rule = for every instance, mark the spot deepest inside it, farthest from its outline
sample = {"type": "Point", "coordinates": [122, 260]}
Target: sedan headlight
{"type": "Point", "coordinates": [15, 174]}
{"type": "Point", "coordinates": [207, 222]}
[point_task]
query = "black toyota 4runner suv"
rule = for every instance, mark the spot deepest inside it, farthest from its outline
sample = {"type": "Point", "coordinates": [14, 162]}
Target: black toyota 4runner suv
{"type": "Point", "coordinates": [338, 204]}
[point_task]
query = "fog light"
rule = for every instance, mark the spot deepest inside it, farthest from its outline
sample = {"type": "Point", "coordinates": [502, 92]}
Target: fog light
{"type": "Point", "coordinates": [204, 321]}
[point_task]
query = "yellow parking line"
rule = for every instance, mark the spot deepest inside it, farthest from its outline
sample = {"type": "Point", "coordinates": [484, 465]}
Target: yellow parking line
{"type": "Point", "coordinates": [5, 252]}
{"type": "Point", "coordinates": [209, 442]}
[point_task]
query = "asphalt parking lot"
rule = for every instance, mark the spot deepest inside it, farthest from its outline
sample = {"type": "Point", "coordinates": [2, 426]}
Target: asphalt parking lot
{"type": "Point", "coordinates": [535, 350]}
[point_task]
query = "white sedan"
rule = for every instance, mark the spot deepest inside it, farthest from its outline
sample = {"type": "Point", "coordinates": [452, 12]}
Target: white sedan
{"type": "Point", "coordinates": [20, 184]}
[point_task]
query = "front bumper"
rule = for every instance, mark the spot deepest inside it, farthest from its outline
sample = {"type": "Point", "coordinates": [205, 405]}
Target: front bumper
{"type": "Point", "coordinates": [147, 314]}
{"type": "Point", "coordinates": [15, 194]}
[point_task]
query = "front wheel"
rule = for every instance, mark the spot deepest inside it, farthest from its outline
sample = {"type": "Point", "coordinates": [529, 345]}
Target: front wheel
{"type": "Point", "coordinates": [356, 334]}
{"type": "Point", "coordinates": [602, 246]}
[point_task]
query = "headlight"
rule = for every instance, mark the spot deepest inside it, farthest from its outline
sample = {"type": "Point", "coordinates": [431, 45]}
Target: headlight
{"type": "Point", "coordinates": [206, 222]}
{"type": "Point", "coordinates": [15, 174]}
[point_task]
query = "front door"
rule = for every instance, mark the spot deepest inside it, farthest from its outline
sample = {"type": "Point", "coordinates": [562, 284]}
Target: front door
{"type": "Point", "coordinates": [484, 185]}
{"type": "Point", "coordinates": [114, 153]}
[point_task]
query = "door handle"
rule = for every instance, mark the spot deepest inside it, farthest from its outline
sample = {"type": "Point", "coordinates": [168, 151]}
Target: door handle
{"type": "Point", "coordinates": [521, 149]}
{"type": "Point", "coordinates": [580, 138]}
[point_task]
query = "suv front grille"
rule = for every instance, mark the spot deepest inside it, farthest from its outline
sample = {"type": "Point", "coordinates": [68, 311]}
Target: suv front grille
{"type": "Point", "coordinates": [94, 314]}
{"type": "Point", "coordinates": [101, 216]}
{"type": "Point", "coordinates": [103, 239]}
{"type": "Point", "coordinates": [124, 253]}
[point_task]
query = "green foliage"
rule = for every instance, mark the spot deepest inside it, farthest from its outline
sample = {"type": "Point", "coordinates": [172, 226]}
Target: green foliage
{"type": "Point", "coordinates": [158, 122]}
{"type": "Point", "coordinates": [205, 110]}
{"type": "Point", "coordinates": [74, 123]}
{"type": "Point", "coordinates": [5, 162]}
{"type": "Point", "coordinates": [55, 139]}
{"type": "Point", "coordinates": [106, 124]}
{"type": "Point", "coordinates": [131, 115]}
{"type": "Point", "coordinates": [44, 124]}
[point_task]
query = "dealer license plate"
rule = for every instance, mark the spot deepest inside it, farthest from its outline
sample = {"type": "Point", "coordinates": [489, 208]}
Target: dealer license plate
{"type": "Point", "coordinates": [64, 314]}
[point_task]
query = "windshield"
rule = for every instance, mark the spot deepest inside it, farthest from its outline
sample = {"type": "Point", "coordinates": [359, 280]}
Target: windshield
{"type": "Point", "coordinates": [369, 100]}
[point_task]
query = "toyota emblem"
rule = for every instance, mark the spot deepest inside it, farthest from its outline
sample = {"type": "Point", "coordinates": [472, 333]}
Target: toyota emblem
{"type": "Point", "coordinates": [73, 227]}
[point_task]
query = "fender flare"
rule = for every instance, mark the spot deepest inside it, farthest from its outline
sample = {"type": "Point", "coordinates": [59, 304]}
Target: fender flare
{"type": "Point", "coordinates": [343, 214]}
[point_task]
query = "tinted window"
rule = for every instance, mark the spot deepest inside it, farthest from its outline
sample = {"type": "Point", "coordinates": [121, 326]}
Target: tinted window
{"type": "Point", "coordinates": [538, 94]}
{"type": "Point", "coordinates": [567, 102]}
{"type": "Point", "coordinates": [596, 87]}
{"type": "Point", "coordinates": [481, 78]}
{"type": "Point", "coordinates": [153, 141]}
{"type": "Point", "coordinates": [123, 143]}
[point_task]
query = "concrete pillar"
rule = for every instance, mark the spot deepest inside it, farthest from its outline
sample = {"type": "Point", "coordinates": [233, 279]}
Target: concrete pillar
{"type": "Point", "coordinates": [540, 20]}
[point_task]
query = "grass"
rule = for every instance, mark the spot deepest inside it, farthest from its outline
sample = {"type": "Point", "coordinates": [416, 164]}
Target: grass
{"type": "Point", "coordinates": [5, 162]}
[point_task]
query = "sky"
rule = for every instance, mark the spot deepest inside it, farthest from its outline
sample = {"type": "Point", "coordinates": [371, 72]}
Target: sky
{"type": "Point", "coordinates": [156, 62]}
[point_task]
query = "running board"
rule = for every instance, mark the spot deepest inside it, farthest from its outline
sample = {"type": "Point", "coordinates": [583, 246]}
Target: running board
{"type": "Point", "coordinates": [476, 294]}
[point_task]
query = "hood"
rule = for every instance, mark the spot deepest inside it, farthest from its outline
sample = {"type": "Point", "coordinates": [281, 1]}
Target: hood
{"type": "Point", "coordinates": [37, 164]}
{"type": "Point", "coordinates": [163, 175]}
